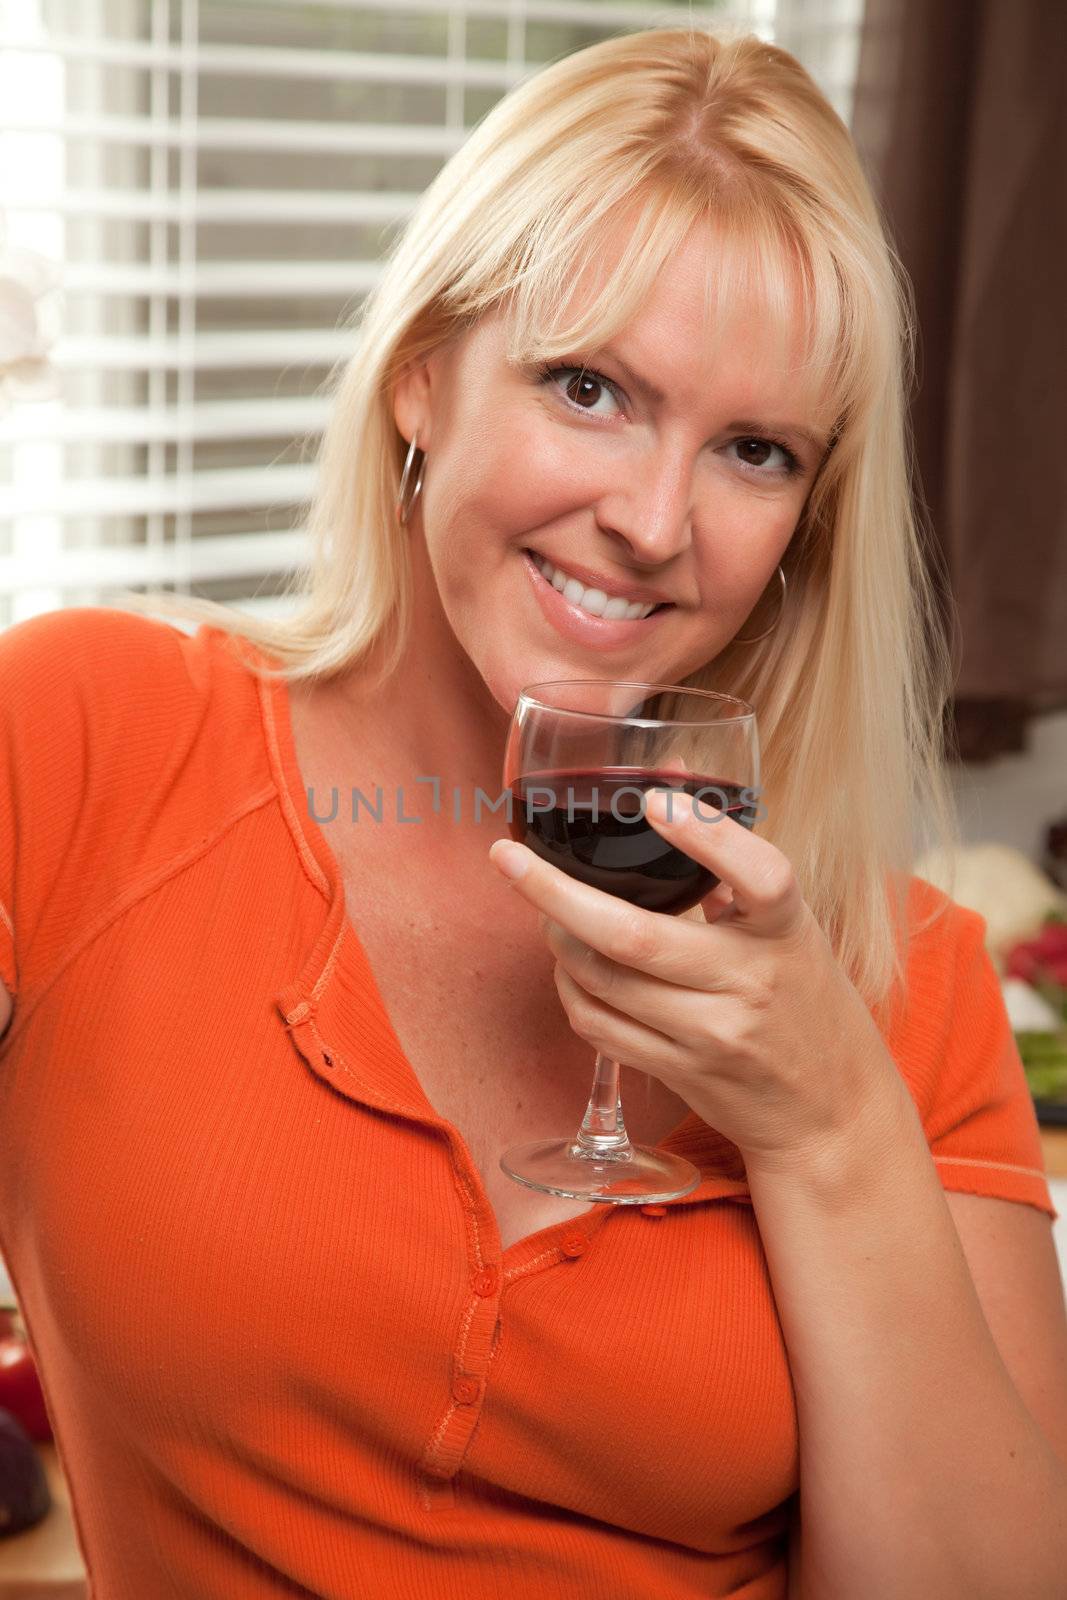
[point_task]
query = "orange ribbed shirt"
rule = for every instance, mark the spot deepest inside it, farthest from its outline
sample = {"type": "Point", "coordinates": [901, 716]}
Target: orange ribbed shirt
{"type": "Point", "coordinates": [283, 1352]}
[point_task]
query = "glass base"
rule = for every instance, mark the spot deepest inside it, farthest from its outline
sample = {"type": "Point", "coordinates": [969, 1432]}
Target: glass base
{"type": "Point", "coordinates": [635, 1176]}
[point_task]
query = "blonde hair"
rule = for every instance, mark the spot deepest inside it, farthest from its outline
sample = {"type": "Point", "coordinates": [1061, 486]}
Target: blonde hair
{"type": "Point", "coordinates": [668, 127]}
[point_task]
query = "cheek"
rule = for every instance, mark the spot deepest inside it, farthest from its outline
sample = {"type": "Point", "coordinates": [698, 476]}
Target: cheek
{"type": "Point", "coordinates": [740, 539]}
{"type": "Point", "coordinates": [520, 475]}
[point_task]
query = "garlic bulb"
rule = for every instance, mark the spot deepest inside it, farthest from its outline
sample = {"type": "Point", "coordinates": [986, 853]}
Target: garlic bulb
{"type": "Point", "coordinates": [1002, 885]}
{"type": "Point", "coordinates": [1028, 1011]}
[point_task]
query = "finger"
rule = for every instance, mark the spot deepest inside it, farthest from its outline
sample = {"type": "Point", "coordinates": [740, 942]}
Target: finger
{"type": "Point", "coordinates": [670, 1009]}
{"type": "Point", "coordinates": [616, 1036]}
{"type": "Point", "coordinates": [670, 947]}
{"type": "Point", "coordinates": [766, 895]}
{"type": "Point", "coordinates": [714, 906]}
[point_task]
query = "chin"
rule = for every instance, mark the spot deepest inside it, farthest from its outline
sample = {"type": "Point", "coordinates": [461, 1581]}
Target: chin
{"type": "Point", "coordinates": [506, 686]}
{"type": "Point", "coordinates": [505, 682]}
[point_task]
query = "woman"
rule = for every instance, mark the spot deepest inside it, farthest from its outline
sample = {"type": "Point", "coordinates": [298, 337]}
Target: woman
{"type": "Point", "coordinates": [644, 340]}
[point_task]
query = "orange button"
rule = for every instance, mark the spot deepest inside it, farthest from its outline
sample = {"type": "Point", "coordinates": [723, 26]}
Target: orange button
{"type": "Point", "coordinates": [485, 1282]}
{"type": "Point", "coordinates": [465, 1390]}
{"type": "Point", "coordinates": [574, 1245]}
{"type": "Point", "coordinates": [654, 1211]}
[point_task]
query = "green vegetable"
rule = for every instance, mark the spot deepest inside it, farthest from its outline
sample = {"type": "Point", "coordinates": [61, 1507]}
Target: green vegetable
{"type": "Point", "coordinates": [1044, 1057]}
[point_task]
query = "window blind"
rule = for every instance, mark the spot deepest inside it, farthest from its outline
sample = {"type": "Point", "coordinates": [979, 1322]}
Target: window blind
{"type": "Point", "coordinates": [218, 181]}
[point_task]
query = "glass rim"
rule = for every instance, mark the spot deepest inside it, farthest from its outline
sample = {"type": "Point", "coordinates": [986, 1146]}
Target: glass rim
{"type": "Point", "coordinates": [746, 715]}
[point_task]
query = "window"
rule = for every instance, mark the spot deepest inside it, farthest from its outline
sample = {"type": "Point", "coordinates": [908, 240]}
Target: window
{"type": "Point", "coordinates": [218, 179]}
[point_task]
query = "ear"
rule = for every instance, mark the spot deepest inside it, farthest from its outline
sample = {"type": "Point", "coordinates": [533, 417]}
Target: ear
{"type": "Point", "coordinates": [412, 409]}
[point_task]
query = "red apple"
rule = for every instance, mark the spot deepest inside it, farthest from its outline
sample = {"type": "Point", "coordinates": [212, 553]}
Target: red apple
{"type": "Point", "coordinates": [20, 1388]}
{"type": "Point", "coordinates": [1042, 959]}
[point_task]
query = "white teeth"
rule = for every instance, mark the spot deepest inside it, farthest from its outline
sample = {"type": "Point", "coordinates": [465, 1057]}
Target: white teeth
{"type": "Point", "coordinates": [595, 601]}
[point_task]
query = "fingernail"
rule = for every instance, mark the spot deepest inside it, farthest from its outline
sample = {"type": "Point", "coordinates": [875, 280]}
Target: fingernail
{"type": "Point", "coordinates": [508, 858]}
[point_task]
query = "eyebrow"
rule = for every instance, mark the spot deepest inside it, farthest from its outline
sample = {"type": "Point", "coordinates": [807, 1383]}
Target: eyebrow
{"type": "Point", "coordinates": [743, 425]}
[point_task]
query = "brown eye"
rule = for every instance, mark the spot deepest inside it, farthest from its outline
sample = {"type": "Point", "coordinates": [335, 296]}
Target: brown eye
{"type": "Point", "coordinates": [767, 453]}
{"type": "Point", "coordinates": [584, 390]}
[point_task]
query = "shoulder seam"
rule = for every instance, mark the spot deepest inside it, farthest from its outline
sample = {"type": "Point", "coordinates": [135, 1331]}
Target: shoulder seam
{"type": "Point", "coordinates": [130, 897]}
{"type": "Point", "coordinates": [307, 856]}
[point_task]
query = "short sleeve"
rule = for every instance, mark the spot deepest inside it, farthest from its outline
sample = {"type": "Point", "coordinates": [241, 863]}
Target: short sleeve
{"type": "Point", "coordinates": [41, 777]}
{"type": "Point", "coordinates": [965, 1071]}
{"type": "Point", "coordinates": [73, 755]}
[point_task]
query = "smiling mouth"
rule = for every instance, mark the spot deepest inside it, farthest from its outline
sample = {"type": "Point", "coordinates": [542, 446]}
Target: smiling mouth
{"type": "Point", "coordinates": [560, 580]}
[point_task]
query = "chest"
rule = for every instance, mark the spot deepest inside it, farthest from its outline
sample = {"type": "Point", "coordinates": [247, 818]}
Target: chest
{"type": "Point", "coordinates": [477, 1014]}
{"type": "Point", "coordinates": [467, 982]}
{"type": "Point", "coordinates": [472, 999]}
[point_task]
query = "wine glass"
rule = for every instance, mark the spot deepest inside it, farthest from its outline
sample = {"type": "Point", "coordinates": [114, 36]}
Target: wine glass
{"type": "Point", "coordinates": [581, 756]}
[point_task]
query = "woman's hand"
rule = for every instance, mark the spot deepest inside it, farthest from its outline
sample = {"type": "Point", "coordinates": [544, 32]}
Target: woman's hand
{"type": "Point", "coordinates": [747, 1015]}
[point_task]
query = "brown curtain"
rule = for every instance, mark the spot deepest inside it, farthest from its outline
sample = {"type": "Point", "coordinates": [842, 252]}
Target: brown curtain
{"type": "Point", "coordinates": [961, 116]}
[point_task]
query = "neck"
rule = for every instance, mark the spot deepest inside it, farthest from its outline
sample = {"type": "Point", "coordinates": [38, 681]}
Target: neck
{"type": "Point", "coordinates": [432, 718]}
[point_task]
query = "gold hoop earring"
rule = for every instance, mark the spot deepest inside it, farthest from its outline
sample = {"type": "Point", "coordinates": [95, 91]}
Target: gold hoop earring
{"type": "Point", "coordinates": [778, 618]}
{"type": "Point", "coordinates": [403, 507]}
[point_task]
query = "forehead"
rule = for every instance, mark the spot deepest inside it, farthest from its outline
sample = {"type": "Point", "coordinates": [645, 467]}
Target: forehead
{"type": "Point", "coordinates": [718, 313]}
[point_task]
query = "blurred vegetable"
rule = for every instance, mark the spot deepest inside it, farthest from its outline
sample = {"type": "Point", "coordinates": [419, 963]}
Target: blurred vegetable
{"type": "Point", "coordinates": [25, 1497]}
{"type": "Point", "coordinates": [1044, 1056]}
{"type": "Point", "coordinates": [1028, 1012]}
{"type": "Point", "coordinates": [1002, 885]}
{"type": "Point", "coordinates": [20, 1387]}
{"type": "Point", "coordinates": [1041, 960]}
{"type": "Point", "coordinates": [1037, 968]}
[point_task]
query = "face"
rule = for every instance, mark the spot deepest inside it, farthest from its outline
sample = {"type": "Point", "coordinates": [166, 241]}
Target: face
{"type": "Point", "coordinates": [671, 473]}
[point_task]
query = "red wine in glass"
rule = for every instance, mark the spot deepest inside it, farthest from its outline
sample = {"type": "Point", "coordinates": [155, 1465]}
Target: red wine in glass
{"type": "Point", "coordinates": [593, 825]}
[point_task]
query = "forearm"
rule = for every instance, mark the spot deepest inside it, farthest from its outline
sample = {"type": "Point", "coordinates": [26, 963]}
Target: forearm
{"type": "Point", "coordinates": [922, 1473]}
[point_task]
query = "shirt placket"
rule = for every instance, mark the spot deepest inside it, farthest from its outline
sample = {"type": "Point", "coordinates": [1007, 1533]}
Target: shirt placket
{"type": "Point", "coordinates": [323, 1039]}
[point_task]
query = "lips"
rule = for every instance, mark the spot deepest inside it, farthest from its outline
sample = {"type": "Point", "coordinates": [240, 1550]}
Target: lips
{"type": "Point", "coordinates": [599, 634]}
{"type": "Point", "coordinates": [613, 588]}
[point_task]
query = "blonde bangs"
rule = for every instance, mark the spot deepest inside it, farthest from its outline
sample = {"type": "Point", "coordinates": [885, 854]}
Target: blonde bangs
{"type": "Point", "coordinates": [587, 291]}
{"type": "Point", "coordinates": [571, 288]}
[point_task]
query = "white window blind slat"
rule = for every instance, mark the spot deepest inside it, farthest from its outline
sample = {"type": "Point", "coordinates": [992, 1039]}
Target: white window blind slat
{"type": "Point", "coordinates": [233, 489]}
{"type": "Point", "coordinates": [576, 13]}
{"type": "Point", "coordinates": [252, 62]}
{"type": "Point", "coordinates": [233, 350]}
{"type": "Point", "coordinates": [806, 18]}
{"type": "Point", "coordinates": [248, 133]}
{"type": "Point", "coordinates": [302, 416]}
{"type": "Point", "coordinates": [223, 206]}
{"type": "Point", "coordinates": [238, 555]}
{"type": "Point", "coordinates": [227, 279]}
{"type": "Point", "coordinates": [219, 183]}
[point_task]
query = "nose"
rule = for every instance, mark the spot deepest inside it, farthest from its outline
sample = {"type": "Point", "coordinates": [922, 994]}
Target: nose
{"type": "Point", "coordinates": [649, 505]}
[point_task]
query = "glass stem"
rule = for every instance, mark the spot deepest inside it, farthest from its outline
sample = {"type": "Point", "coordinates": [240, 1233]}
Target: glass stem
{"type": "Point", "coordinates": [603, 1132]}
